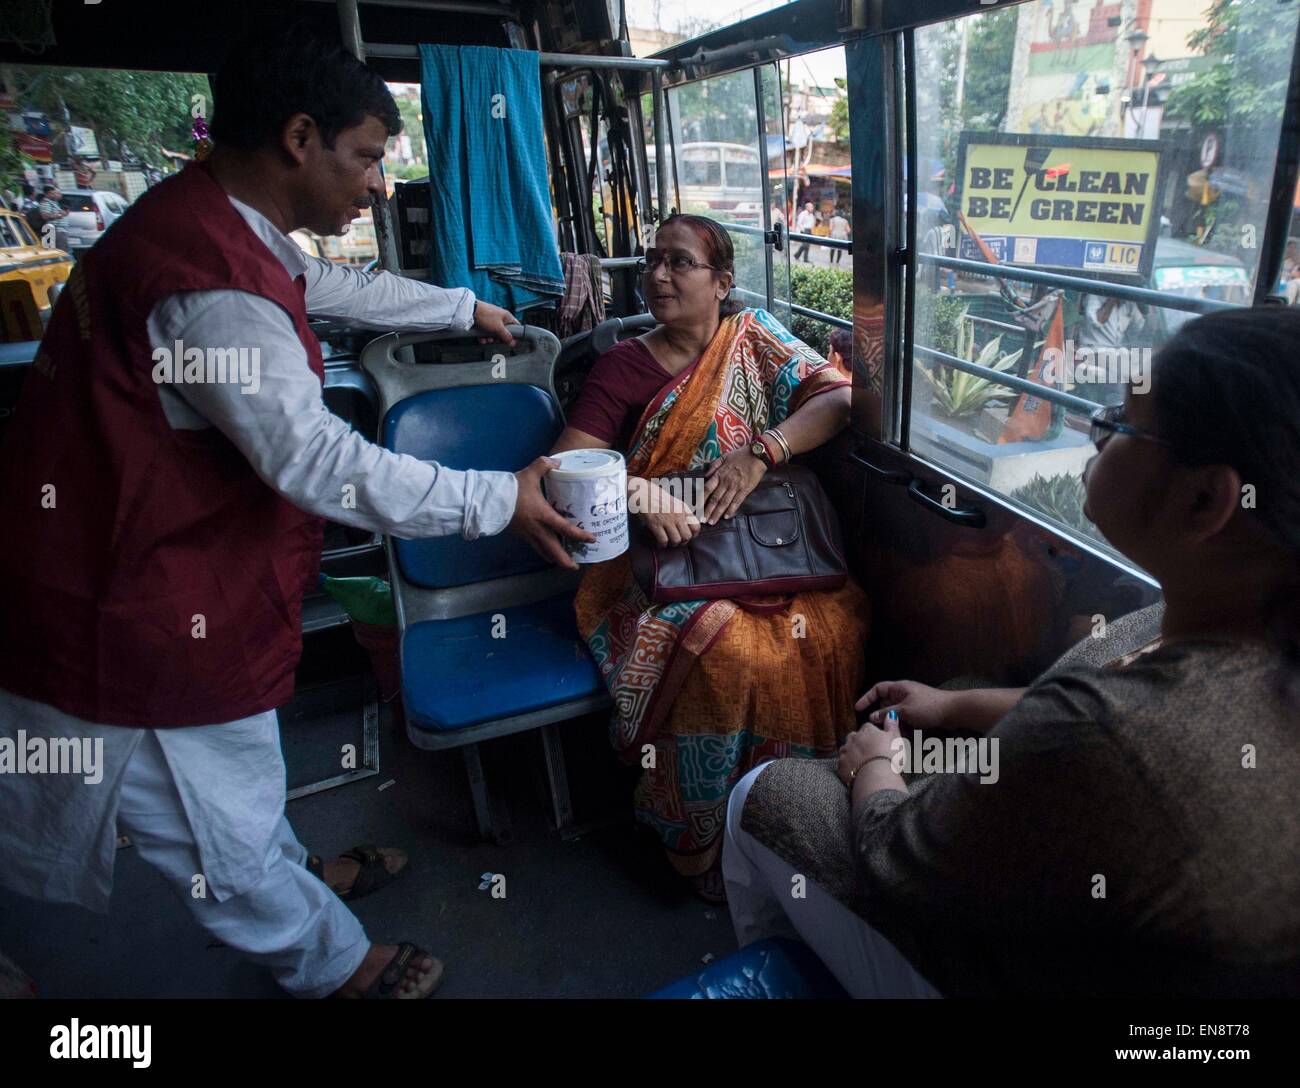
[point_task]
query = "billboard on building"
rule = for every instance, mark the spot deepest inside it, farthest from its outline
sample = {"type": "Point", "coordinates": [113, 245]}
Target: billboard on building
{"type": "Point", "coordinates": [1085, 205]}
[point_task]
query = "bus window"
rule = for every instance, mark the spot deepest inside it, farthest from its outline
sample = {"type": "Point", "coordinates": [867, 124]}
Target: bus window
{"type": "Point", "coordinates": [819, 211]}
{"type": "Point", "coordinates": [724, 128]}
{"type": "Point", "coordinates": [702, 171]}
{"type": "Point", "coordinates": [1061, 139]}
{"type": "Point", "coordinates": [741, 170]}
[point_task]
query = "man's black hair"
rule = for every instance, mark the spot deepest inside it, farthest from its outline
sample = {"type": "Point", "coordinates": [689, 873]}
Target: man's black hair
{"type": "Point", "coordinates": [267, 80]}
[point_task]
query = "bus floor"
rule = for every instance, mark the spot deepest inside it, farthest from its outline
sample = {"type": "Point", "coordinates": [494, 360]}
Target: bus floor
{"type": "Point", "coordinates": [599, 916]}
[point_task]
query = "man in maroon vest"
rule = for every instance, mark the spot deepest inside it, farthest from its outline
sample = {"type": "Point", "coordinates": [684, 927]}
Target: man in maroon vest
{"type": "Point", "coordinates": [165, 481]}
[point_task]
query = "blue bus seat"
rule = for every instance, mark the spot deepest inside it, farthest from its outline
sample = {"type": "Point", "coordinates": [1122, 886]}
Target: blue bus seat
{"type": "Point", "coordinates": [488, 641]}
{"type": "Point", "coordinates": [773, 968]}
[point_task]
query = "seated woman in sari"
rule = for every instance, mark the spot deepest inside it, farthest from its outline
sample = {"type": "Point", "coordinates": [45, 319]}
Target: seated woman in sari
{"type": "Point", "coordinates": [1134, 829]}
{"type": "Point", "coordinates": [705, 689]}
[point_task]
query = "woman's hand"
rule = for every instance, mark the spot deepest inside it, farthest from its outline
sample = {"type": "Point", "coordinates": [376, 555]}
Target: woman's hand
{"type": "Point", "coordinates": [728, 482]}
{"type": "Point", "coordinates": [670, 520]}
{"type": "Point", "coordinates": [921, 707]}
{"type": "Point", "coordinates": [866, 743]}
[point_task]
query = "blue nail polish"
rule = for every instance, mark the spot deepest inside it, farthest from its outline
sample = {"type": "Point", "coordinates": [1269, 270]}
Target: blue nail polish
{"type": "Point", "coordinates": [892, 716]}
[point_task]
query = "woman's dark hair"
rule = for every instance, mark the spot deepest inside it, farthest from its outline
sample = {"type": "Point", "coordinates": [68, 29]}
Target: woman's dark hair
{"type": "Point", "coordinates": [718, 248]}
{"type": "Point", "coordinates": [1226, 391]}
{"type": "Point", "coordinates": [265, 81]}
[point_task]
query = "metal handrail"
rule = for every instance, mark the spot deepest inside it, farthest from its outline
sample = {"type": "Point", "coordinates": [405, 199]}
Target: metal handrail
{"type": "Point", "coordinates": [818, 315]}
{"type": "Point", "coordinates": [1003, 325]}
{"type": "Point", "coordinates": [814, 239]}
{"type": "Point", "coordinates": [546, 60]}
{"type": "Point", "coordinates": [1022, 385]}
{"type": "Point", "coordinates": [818, 240]}
{"type": "Point", "coordinates": [1078, 283]}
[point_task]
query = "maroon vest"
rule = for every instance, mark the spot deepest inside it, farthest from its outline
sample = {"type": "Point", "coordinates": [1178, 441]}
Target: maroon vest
{"type": "Point", "coordinates": [147, 576]}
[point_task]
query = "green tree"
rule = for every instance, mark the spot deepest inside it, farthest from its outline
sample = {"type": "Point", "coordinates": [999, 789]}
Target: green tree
{"type": "Point", "coordinates": [11, 161]}
{"type": "Point", "coordinates": [1251, 43]}
{"type": "Point", "coordinates": [839, 120]}
{"type": "Point", "coordinates": [142, 111]}
{"type": "Point", "coordinates": [989, 48]}
{"type": "Point", "coordinates": [721, 108]}
{"type": "Point", "coordinates": [409, 108]}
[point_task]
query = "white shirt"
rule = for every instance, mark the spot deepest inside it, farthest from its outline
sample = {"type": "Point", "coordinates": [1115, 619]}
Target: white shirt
{"type": "Point", "coordinates": [57, 838]}
{"type": "Point", "coordinates": [1095, 333]}
{"type": "Point", "coordinates": [805, 221]}
{"type": "Point", "coordinates": [294, 443]}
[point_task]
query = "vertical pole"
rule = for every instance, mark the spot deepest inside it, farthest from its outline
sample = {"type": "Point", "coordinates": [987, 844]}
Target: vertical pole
{"type": "Point", "coordinates": [1277, 220]}
{"type": "Point", "coordinates": [385, 235]}
{"type": "Point", "coordinates": [661, 147]}
{"type": "Point", "coordinates": [765, 216]}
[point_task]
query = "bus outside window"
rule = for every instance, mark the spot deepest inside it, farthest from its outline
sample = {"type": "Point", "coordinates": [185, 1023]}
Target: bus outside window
{"type": "Point", "coordinates": [1088, 140]}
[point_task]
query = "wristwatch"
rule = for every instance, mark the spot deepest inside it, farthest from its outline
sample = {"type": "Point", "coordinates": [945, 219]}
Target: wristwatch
{"type": "Point", "coordinates": [759, 449]}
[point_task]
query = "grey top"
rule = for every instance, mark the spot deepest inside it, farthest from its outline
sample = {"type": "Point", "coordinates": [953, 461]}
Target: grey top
{"type": "Point", "coordinates": [1173, 779]}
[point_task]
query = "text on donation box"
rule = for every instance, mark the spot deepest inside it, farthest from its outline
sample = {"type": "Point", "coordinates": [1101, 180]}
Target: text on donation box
{"type": "Point", "coordinates": [590, 489]}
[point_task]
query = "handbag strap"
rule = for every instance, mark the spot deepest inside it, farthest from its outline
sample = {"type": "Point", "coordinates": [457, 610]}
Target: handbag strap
{"type": "Point", "coordinates": [764, 608]}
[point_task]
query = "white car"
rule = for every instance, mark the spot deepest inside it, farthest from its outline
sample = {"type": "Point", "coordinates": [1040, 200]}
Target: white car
{"type": "Point", "coordinates": [90, 213]}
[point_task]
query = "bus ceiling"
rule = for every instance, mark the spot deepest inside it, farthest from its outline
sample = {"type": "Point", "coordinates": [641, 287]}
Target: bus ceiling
{"type": "Point", "coordinates": [197, 37]}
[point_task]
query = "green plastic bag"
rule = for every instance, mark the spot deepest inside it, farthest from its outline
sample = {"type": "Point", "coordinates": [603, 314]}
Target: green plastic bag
{"type": "Point", "coordinates": [366, 600]}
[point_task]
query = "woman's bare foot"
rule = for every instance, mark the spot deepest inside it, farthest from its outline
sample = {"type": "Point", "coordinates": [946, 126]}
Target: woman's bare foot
{"type": "Point", "coordinates": [423, 973]}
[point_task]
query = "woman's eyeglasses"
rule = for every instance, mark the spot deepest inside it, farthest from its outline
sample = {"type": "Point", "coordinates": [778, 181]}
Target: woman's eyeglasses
{"type": "Point", "coordinates": [677, 262]}
{"type": "Point", "coordinates": [1110, 420]}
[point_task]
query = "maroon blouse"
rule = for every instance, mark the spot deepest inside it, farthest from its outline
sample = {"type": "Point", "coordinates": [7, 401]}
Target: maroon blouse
{"type": "Point", "coordinates": [621, 383]}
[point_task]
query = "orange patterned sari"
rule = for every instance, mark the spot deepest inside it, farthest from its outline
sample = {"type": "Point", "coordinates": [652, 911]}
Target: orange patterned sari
{"type": "Point", "coordinates": [704, 690]}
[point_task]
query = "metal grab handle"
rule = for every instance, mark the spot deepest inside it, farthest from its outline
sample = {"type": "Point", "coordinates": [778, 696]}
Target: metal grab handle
{"type": "Point", "coordinates": [388, 344]}
{"type": "Point", "coordinates": [971, 517]}
{"type": "Point", "coordinates": [775, 237]}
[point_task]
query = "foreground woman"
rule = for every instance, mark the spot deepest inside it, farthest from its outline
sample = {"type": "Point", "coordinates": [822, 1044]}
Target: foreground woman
{"type": "Point", "coordinates": [703, 690]}
{"type": "Point", "coordinates": [1140, 833]}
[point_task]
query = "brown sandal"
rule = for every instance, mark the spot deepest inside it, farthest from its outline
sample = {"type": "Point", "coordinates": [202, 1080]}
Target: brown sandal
{"type": "Point", "coordinates": [372, 873]}
{"type": "Point", "coordinates": [389, 983]}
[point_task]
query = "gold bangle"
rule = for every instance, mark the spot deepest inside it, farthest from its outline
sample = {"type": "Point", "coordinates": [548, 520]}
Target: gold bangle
{"type": "Point", "coordinates": [853, 774]}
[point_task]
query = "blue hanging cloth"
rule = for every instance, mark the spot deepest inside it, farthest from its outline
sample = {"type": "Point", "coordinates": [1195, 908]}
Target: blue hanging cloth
{"type": "Point", "coordinates": [488, 182]}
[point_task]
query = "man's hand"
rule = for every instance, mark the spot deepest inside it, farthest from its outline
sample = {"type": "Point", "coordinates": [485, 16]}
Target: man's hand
{"type": "Point", "coordinates": [538, 522]}
{"type": "Point", "coordinates": [728, 482]}
{"type": "Point", "coordinates": [919, 706]}
{"type": "Point", "coordinates": [493, 321]}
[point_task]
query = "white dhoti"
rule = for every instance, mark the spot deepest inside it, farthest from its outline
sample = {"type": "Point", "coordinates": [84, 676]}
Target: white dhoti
{"type": "Point", "coordinates": [205, 806]}
{"type": "Point", "coordinates": [759, 896]}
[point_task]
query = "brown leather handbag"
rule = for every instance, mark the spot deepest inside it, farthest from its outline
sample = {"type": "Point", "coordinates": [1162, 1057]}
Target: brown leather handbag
{"type": "Point", "coordinates": [785, 538]}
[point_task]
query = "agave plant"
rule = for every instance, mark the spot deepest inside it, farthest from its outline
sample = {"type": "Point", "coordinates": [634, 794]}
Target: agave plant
{"type": "Point", "coordinates": [1061, 499]}
{"type": "Point", "coordinates": [958, 393]}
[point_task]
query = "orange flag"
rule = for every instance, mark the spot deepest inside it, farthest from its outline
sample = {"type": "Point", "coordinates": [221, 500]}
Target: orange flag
{"type": "Point", "coordinates": [1031, 416]}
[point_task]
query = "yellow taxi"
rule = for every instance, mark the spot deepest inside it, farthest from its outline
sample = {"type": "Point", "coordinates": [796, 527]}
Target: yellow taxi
{"type": "Point", "coordinates": [25, 260]}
